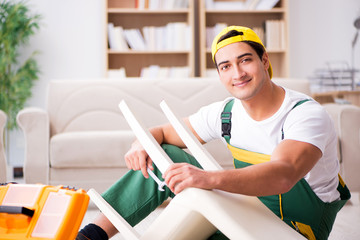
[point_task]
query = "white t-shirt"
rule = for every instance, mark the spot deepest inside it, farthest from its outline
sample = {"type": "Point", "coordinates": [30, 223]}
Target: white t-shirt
{"type": "Point", "coordinates": [308, 122]}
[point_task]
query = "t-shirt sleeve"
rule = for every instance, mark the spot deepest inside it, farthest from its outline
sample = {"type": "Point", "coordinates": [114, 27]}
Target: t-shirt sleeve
{"type": "Point", "coordinates": [309, 123]}
{"type": "Point", "coordinates": [206, 122]}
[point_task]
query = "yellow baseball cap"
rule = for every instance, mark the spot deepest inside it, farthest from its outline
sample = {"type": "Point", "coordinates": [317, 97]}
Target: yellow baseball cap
{"type": "Point", "coordinates": [246, 34]}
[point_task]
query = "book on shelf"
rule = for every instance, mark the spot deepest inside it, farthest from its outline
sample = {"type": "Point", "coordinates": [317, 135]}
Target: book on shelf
{"type": "Point", "coordinates": [135, 39]}
{"type": "Point", "coordinates": [179, 72]}
{"type": "Point", "coordinates": [159, 38]}
{"type": "Point", "coordinates": [163, 72]}
{"type": "Point", "coordinates": [117, 73]}
{"type": "Point", "coordinates": [260, 32]}
{"type": "Point", "coordinates": [111, 36]}
{"type": "Point", "coordinates": [241, 4]}
{"type": "Point", "coordinates": [161, 4]}
{"type": "Point", "coordinates": [116, 38]}
{"type": "Point", "coordinates": [225, 5]}
{"type": "Point", "coordinates": [180, 4]}
{"type": "Point", "coordinates": [140, 4]}
{"type": "Point", "coordinates": [266, 4]}
{"type": "Point", "coordinates": [150, 72]}
{"type": "Point", "coordinates": [155, 71]}
{"type": "Point", "coordinates": [178, 36]}
{"type": "Point", "coordinates": [175, 36]}
{"type": "Point", "coordinates": [275, 35]}
{"type": "Point", "coordinates": [252, 4]}
{"type": "Point", "coordinates": [211, 33]}
{"type": "Point", "coordinates": [169, 37]}
{"type": "Point", "coordinates": [149, 37]}
{"type": "Point", "coordinates": [282, 35]}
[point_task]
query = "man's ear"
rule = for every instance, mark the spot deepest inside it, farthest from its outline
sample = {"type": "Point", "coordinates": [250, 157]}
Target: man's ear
{"type": "Point", "coordinates": [265, 60]}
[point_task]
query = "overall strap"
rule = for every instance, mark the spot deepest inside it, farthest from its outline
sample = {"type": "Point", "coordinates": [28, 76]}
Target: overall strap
{"type": "Point", "coordinates": [226, 121]}
{"type": "Point", "coordinates": [297, 104]}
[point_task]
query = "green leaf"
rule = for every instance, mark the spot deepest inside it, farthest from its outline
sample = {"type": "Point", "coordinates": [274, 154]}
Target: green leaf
{"type": "Point", "coordinates": [17, 25]}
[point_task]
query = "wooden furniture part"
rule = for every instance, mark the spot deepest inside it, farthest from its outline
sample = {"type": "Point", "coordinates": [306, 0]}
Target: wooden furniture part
{"type": "Point", "coordinates": [352, 97]}
{"type": "Point", "coordinates": [249, 18]}
{"type": "Point", "coordinates": [126, 14]}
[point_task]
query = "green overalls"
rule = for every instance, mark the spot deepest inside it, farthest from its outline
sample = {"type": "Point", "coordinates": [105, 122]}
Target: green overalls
{"type": "Point", "coordinates": [300, 208]}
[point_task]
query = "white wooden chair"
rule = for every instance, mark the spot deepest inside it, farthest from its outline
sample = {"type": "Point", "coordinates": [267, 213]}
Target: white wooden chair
{"type": "Point", "coordinates": [197, 213]}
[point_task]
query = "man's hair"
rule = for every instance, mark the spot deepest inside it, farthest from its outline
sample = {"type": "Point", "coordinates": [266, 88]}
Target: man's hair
{"type": "Point", "coordinates": [259, 49]}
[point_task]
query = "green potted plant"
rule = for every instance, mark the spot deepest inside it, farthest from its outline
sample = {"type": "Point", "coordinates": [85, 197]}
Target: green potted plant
{"type": "Point", "coordinates": [17, 24]}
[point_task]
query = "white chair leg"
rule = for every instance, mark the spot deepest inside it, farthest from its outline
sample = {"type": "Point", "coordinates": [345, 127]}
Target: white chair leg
{"type": "Point", "coordinates": [152, 147]}
{"type": "Point", "coordinates": [114, 217]}
{"type": "Point", "coordinates": [192, 143]}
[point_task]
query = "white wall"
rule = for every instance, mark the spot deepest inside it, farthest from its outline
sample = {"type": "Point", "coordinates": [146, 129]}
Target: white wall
{"type": "Point", "coordinates": [72, 42]}
{"type": "Point", "coordinates": [321, 31]}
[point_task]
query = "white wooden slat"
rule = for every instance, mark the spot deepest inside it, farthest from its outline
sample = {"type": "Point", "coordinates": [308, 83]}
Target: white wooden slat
{"type": "Point", "coordinates": [114, 217]}
{"type": "Point", "coordinates": [151, 146]}
{"type": "Point", "coordinates": [192, 143]}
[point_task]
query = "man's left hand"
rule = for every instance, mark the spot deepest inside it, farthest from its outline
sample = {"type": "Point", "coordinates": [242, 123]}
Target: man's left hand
{"type": "Point", "coordinates": [183, 175]}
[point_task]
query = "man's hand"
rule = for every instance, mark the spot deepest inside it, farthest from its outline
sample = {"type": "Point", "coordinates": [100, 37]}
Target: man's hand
{"type": "Point", "coordinates": [183, 175]}
{"type": "Point", "coordinates": [137, 159]}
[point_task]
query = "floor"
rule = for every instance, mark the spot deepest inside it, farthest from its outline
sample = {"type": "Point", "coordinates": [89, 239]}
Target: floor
{"type": "Point", "coordinates": [346, 227]}
{"type": "Point", "coordinates": [347, 223]}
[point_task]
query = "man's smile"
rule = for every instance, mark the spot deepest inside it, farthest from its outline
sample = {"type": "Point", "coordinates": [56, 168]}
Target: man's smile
{"type": "Point", "coordinates": [241, 83]}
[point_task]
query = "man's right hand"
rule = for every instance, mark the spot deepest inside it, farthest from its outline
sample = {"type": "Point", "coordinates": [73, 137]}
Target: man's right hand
{"type": "Point", "coordinates": [138, 159]}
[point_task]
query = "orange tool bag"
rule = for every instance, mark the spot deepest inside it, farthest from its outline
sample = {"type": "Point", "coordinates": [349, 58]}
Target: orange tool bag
{"type": "Point", "coordinates": [41, 212]}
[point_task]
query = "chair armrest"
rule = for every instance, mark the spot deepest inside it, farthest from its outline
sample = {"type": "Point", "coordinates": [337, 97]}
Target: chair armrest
{"type": "Point", "coordinates": [2, 147]}
{"type": "Point", "coordinates": [336, 112]}
{"type": "Point", "coordinates": [347, 121]}
{"type": "Point", "coordinates": [34, 122]}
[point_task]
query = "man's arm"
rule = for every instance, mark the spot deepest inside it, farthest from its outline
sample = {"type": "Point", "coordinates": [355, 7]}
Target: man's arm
{"type": "Point", "coordinates": [137, 158]}
{"type": "Point", "coordinates": [290, 162]}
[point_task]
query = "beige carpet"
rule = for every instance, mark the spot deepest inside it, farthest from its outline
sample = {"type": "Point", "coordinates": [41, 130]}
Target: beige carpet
{"type": "Point", "coordinates": [346, 227]}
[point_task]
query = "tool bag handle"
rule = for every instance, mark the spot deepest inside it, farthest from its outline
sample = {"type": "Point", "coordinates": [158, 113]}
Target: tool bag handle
{"type": "Point", "coordinates": [16, 210]}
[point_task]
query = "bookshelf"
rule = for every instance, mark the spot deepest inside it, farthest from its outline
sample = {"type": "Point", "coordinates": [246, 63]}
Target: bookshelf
{"type": "Point", "coordinates": [164, 53]}
{"type": "Point", "coordinates": [209, 16]}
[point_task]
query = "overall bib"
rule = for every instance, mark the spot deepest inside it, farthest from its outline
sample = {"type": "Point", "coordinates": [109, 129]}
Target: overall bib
{"type": "Point", "coordinates": [300, 208]}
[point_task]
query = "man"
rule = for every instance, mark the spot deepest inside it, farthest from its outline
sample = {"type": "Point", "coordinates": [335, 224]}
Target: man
{"type": "Point", "coordinates": [282, 141]}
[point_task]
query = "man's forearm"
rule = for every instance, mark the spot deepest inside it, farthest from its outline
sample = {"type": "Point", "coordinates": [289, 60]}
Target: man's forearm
{"type": "Point", "coordinates": [257, 180]}
{"type": "Point", "coordinates": [166, 134]}
{"type": "Point", "coordinates": [157, 133]}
